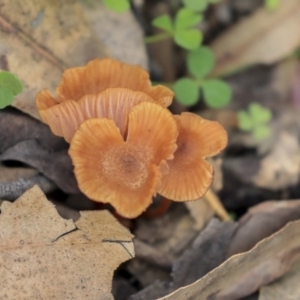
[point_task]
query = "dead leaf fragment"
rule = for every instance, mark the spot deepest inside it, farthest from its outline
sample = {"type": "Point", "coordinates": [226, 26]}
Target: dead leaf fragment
{"type": "Point", "coordinates": [273, 36]}
{"type": "Point", "coordinates": [243, 274]}
{"type": "Point", "coordinates": [261, 221]}
{"type": "Point", "coordinates": [281, 167]}
{"type": "Point", "coordinates": [38, 42]}
{"type": "Point", "coordinates": [286, 287]}
{"type": "Point", "coordinates": [206, 253]}
{"type": "Point", "coordinates": [52, 258]}
{"type": "Point", "coordinates": [56, 166]}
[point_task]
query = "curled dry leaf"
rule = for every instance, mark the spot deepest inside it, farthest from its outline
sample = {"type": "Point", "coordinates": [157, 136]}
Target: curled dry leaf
{"type": "Point", "coordinates": [273, 36]}
{"type": "Point", "coordinates": [261, 221]}
{"type": "Point", "coordinates": [56, 166]}
{"type": "Point", "coordinates": [207, 251]}
{"type": "Point", "coordinates": [51, 257]}
{"type": "Point", "coordinates": [17, 180]}
{"type": "Point", "coordinates": [243, 274]}
{"type": "Point", "coordinates": [286, 287]}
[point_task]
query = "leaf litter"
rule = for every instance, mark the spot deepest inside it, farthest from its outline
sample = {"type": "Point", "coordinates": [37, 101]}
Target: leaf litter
{"type": "Point", "coordinates": [45, 256]}
{"type": "Point", "coordinates": [184, 245]}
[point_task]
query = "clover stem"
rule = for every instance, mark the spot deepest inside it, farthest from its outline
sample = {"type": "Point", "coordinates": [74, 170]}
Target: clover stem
{"type": "Point", "coordinates": [157, 37]}
{"type": "Point", "coordinates": [216, 205]}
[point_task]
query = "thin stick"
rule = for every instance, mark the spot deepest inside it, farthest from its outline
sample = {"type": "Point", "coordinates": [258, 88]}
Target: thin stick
{"type": "Point", "coordinates": [216, 205]}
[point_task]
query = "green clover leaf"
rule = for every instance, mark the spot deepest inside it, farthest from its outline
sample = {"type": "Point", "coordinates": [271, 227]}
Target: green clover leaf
{"type": "Point", "coordinates": [6, 97]}
{"type": "Point", "coordinates": [10, 81]}
{"type": "Point", "coordinates": [10, 86]}
{"type": "Point", "coordinates": [163, 22]}
{"type": "Point", "coordinates": [189, 39]}
{"type": "Point", "coordinates": [117, 5]}
{"type": "Point", "coordinates": [200, 62]}
{"type": "Point", "coordinates": [186, 91]}
{"type": "Point", "coordinates": [186, 18]}
{"type": "Point", "coordinates": [255, 120]}
{"type": "Point", "coordinates": [261, 132]}
{"type": "Point", "coordinates": [245, 121]}
{"type": "Point", "coordinates": [259, 114]}
{"type": "Point", "coordinates": [217, 93]}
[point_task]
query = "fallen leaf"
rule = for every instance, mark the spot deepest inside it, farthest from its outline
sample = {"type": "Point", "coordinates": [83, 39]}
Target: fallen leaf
{"type": "Point", "coordinates": [52, 258]}
{"type": "Point", "coordinates": [56, 166]}
{"type": "Point", "coordinates": [27, 140]}
{"type": "Point", "coordinates": [121, 34]}
{"type": "Point", "coordinates": [170, 234]}
{"type": "Point", "coordinates": [11, 174]}
{"type": "Point", "coordinates": [243, 274]}
{"type": "Point", "coordinates": [154, 291]}
{"type": "Point", "coordinates": [17, 127]}
{"type": "Point", "coordinates": [273, 36]}
{"type": "Point", "coordinates": [286, 287]}
{"type": "Point", "coordinates": [38, 42]}
{"type": "Point", "coordinates": [207, 251]}
{"type": "Point", "coordinates": [260, 222]}
{"type": "Point", "coordinates": [14, 189]}
{"type": "Point", "coordinates": [281, 167]}
{"type": "Point", "coordinates": [14, 181]}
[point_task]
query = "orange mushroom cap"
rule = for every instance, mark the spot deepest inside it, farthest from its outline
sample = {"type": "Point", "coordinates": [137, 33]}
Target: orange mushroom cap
{"type": "Point", "coordinates": [190, 175]}
{"type": "Point", "coordinates": [113, 103]}
{"type": "Point", "coordinates": [125, 172]}
{"type": "Point", "coordinates": [100, 74]}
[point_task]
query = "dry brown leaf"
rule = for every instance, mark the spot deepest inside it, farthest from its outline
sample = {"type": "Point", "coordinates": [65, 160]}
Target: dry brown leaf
{"type": "Point", "coordinates": [286, 287]}
{"type": "Point", "coordinates": [281, 167]}
{"type": "Point", "coordinates": [261, 221]}
{"type": "Point", "coordinates": [38, 42]}
{"type": "Point", "coordinates": [121, 34]}
{"type": "Point", "coordinates": [43, 256]}
{"type": "Point", "coordinates": [264, 37]}
{"type": "Point", "coordinates": [243, 274]}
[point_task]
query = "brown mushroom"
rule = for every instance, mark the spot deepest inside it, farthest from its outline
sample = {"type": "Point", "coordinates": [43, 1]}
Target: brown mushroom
{"type": "Point", "coordinates": [190, 175]}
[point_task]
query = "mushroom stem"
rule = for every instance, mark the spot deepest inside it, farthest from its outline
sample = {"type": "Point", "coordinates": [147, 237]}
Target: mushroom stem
{"type": "Point", "coordinates": [216, 205]}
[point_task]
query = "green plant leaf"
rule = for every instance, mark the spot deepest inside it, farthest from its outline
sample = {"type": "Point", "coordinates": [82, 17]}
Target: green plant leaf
{"type": "Point", "coordinates": [6, 97]}
{"type": "Point", "coordinates": [186, 91]}
{"type": "Point", "coordinates": [196, 5]}
{"type": "Point", "coordinates": [117, 5]}
{"type": "Point", "coordinates": [186, 18]}
{"type": "Point", "coordinates": [189, 39]}
{"type": "Point", "coordinates": [245, 122]}
{"type": "Point", "coordinates": [259, 114]}
{"type": "Point", "coordinates": [11, 82]}
{"type": "Point", "coordinates": [164, 22]}
{"type": "Point", "coordinates": [214, 1]}
{"type": "Point", "coordinates": [272, 4]}
{"type": "Point", "coordinates": [261, 132]}
{"type": "Point", "coordinates": [217, 93]}
{"type": "Point", "coordinates": [200, 61]}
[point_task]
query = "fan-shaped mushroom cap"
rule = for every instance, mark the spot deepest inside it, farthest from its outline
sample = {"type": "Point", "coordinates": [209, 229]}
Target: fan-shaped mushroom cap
{"type": "Point", "coordinates": [100, 74]}
{"type": "Point", "coordinates": [113, 103]}
{"type": "Point", "coordinates": [190, 175]}
{"type": "Point", "coordinates": [125, 173]}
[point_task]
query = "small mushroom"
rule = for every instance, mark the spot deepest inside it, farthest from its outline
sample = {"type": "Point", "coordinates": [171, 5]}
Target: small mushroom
{"type": "Point", "coordinates": [113, 103]}
{"type": "Point", "coordinates": [124, 172]}
{"type": "Point", "coordinates": [190, 175]}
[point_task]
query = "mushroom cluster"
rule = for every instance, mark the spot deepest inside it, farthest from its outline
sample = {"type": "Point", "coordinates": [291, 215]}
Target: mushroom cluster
{"type": "Point", "coordinates": [125, 144]}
